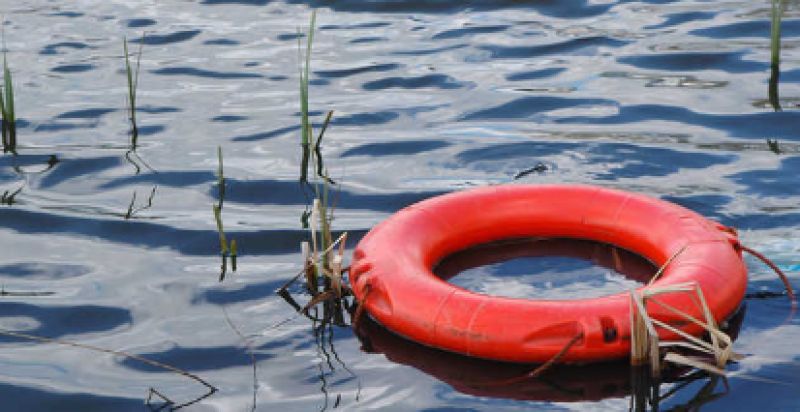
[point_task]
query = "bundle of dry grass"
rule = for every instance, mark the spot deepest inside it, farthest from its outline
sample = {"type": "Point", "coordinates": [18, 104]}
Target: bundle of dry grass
{"type": "Point", "coordinates": [647, 348]}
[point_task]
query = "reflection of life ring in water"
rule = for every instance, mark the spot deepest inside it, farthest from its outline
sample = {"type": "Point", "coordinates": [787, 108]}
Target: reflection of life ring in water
{"type": "Point", "coordinates": [479, 377]}
{"type": "Point", "coordinates": [391, 272]}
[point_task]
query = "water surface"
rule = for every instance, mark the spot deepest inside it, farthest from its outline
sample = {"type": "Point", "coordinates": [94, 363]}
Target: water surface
{"type": "Point", "coordinates": [666, 98]}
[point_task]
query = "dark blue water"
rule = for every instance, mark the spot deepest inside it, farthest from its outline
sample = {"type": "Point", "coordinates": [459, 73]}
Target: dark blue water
{"type": "Point", "coordinates": [667, 98]}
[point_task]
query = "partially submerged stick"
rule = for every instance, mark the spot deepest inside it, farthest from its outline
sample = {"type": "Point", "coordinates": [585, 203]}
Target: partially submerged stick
{"type": "Point", "coordinates": [211, 388]}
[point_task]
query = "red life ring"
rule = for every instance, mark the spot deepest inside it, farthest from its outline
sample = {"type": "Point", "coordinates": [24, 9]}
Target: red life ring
{"type": "Point", "coordinates": [392, 273]}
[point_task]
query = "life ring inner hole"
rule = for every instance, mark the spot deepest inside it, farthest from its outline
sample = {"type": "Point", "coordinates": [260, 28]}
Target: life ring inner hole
{"type": "Point", "coordinates": [546, 268]}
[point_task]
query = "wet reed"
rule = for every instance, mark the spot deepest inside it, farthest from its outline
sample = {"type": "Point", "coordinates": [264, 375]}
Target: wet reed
{"type": "Point", "coordinates": [323, 254]}
{"type": "Point", "coordinates": [9, 124]}
{"type": "Point", "coordinates": [776, 15]}
{"type": "Point", "coordinates": [226, 249]}
{"type": "Point", "coordinates": [132, 75]}
{"type": "Point", "coordinates": [133, 209]}
{"type": "Point", "coordinates": [305, 68]}
{"type": "Point", "coordinates": [647, 347]}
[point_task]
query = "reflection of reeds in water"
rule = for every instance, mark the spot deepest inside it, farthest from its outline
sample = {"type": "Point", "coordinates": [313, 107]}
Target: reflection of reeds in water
{"type": "Point", "coordinates": [9, 124]}
{"type": "Point", "coordinates": [646, 395]}
{"type": "Point", "coordinates": [133, 209]}
{"type": "Point", "coordinates": [776, 15]}
{"type": "Point", "coordinates": [226, 249]}
{"type": "Point", "coordinates": [9, 197]}
{"type": "Point", "coordinates": [323, 275]}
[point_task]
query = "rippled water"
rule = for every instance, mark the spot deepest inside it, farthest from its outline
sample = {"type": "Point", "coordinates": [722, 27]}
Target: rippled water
{"type": "Point", "coordinates": [546, 269]}
{"type": "Point", "coordinates": [668, 98]}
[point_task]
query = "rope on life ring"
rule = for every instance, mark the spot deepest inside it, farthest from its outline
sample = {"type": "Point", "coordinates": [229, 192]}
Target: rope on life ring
{"type": "Point", "coordinates": [777, 270]}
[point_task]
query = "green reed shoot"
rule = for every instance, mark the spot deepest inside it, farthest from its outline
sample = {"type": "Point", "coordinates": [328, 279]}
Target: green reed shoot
{"type": "Point", "coordinates": [220, 177]}
{"type": "Point", "coordinates": [304, 75]}
{"type": "Point", "coordinates": [132, 75]}
{"type": "Point", "coordinates": [223, 242]}
{"type": "Point", "coordinates": [9, 127]}
{"type": "Point", "coordinates": [322, 261]}
{"type": "Point", "coordinates": [305, 123]}
{"type": "Point", "coordinates": [311, 146]}
{"type": "Point", "coordinates": [233, 254]}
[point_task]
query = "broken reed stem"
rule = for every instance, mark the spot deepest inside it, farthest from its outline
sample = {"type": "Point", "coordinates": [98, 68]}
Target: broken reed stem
{"type": "Point", "coordinates": [664, 266]}
{"type": "Point", "coordinates": [721, 354]}
{"type": "Point", "coordinates": [226, 249]}
{"type": "Point", "coordinates": [233, 254]}
{"type": "Point", "coordinates": [644, 338]}
{"type": "Point", "coordinates": [223, 242]}
{"type": "Point", "coordinates": [645, 341]}
{"type": "Point", "coordinates": [695, 363]}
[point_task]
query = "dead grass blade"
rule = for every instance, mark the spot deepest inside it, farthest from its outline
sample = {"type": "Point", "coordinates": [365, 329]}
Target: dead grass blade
{"type": "Point", "coordinates": [664, 266]}
{"type": "Point", "coordinates": [694, 363]}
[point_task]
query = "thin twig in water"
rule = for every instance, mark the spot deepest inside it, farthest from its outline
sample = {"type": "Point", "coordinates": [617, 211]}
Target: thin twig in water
{"type": "Point", "coordinates": [211, 388]}
{"type": "Point", "coordinates": [249, 344]}
{"type": "Point", "coordinates": [545, 366]}
{"type": "Point", "coordinates": [133, 83]}
{"type": "Point", "coordinates": [664, 266]}
{"type": "Point", "coordinates": [132, 210]}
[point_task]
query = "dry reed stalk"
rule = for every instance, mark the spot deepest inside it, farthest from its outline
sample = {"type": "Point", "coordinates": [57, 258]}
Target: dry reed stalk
{"type": "Point", "coordinates": [664, 266]}
{"type": "Point", "coordinates": [638, 334]}
{"type": "Point", "coordinates": [645, 346]}
{"type": "Point", "coordinates": [645, 342]}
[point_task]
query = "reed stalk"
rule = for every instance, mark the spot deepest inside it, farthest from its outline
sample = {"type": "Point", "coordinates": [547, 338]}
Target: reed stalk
{"type": "Point", "coordinates": [226, 250]}
{"type": "Point", "coordinates": [646, 347]}
{"type": "Point", "coordinates": [778, 8]}
{"type": "Point", "coordinates": [776, 15]}
{"type": "Point", "coordinates": [9, 124]}
{"type": "Point", "coordinates": [132, 75]}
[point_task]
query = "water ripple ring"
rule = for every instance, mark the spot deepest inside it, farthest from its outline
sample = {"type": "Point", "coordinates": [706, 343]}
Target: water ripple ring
{"type": "Point", "coordinates": [392, 273]}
